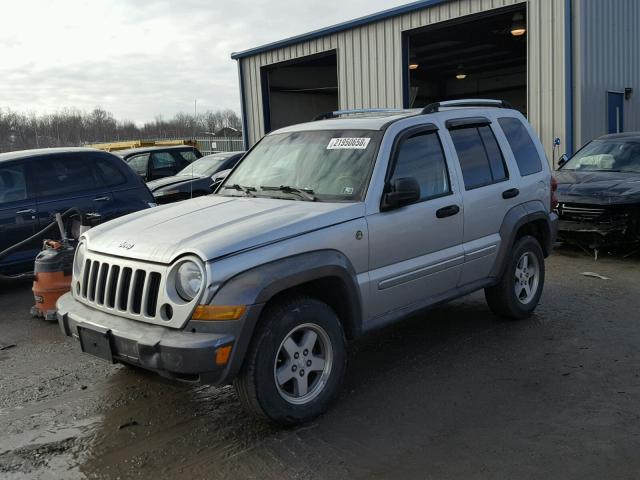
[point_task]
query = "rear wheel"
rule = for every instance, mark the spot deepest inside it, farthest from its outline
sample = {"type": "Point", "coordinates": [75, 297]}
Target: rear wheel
{"type": "Point", "coordinates": [518, 292]}
{"type": "Point", "coordinates": [295, 363]}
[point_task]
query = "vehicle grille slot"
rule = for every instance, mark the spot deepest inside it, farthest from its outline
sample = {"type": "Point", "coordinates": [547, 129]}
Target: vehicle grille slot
{"type": "Point", "coordinates": [123, 288]}
{"type": "Point", "coordinates": [137, 290]}
{"type": "Point", "coordinates": [85, 280]}
{"type": "Point", "coordinates": [112, 284]}
{"type": "Point", "coordinates": [93, 279]}
{"type": "Point", "coordinates": [152, 290]}
{"type": "Point", "coordinates": [102, 283]}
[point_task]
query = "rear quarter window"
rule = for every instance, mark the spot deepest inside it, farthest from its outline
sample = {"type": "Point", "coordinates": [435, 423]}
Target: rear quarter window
{"type": "Point", "coordinates": [109, 173]}
{"type": "Point", "coordinates": [522, 146]}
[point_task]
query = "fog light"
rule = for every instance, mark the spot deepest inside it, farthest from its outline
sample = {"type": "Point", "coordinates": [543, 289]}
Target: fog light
{"type": "Point", "coordinates": [218, 312]}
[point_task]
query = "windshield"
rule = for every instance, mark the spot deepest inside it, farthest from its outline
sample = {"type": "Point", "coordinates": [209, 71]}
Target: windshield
{"type": "Point", "coordinates": [205, 166]}
{"type": "Point", "coordinates": [607, 156]}
{"type": "Point", "coordinates": [330, 164]}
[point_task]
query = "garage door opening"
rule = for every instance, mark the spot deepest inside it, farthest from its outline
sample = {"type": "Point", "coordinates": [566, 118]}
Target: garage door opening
{"type": "Point", "coordinates": [297, 91]}
{"type": "Point", "coordinates": [482, 56]}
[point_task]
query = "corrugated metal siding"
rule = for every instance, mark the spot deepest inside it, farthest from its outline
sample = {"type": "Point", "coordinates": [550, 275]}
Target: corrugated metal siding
{"type": "Point", "coordinates": [607, 54]}
{"type": "Point", "coordinates": [370, 62]}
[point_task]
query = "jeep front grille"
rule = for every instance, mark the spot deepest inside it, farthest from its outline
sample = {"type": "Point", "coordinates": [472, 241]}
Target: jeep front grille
{"type": "Point", "coordinates": [123, 288]}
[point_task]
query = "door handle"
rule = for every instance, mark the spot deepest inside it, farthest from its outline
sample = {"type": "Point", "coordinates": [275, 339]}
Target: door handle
{"type": "Point", "coordinates": [26, 211]}
{"type": "Point", "coordinates": [447, 211]}
{"type": "Point", "coordinates": [511, 193]}
{"type": "Point", "coordinates": [102, 199]}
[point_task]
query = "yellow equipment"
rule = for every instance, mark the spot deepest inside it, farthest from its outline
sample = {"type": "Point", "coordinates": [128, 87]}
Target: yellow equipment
{"type": "Point", "coordinates": [113, 146]}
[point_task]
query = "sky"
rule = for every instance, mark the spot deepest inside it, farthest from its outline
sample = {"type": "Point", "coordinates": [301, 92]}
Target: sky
{"type": "Point", "coordinates": [140, 59]}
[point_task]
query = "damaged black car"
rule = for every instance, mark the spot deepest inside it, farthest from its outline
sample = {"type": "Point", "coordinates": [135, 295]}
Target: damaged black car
{"type": "Point", "coordinates": [599, 193]}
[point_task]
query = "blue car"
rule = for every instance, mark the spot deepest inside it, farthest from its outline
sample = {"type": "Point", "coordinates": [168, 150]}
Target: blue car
{"type": "Point", "coordinates": [35, 184]}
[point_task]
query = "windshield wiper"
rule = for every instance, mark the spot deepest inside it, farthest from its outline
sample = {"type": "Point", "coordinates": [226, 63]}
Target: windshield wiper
{"type": "Point", "coordinates": [241, 188]}
{"type": "Point", "coordinates": [305, 193]}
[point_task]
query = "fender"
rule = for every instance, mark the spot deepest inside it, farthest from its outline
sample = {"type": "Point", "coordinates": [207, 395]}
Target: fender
{"type": "Point", "coordinates": [516, 218]}
{"type": "Point", "coordinates": [255, 287]}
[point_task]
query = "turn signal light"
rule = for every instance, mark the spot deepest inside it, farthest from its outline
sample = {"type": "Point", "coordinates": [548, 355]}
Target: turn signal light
{"type": "Point", "coordinates": [218, 312]}
{"type": "Point", "coordinates": [223, 354]}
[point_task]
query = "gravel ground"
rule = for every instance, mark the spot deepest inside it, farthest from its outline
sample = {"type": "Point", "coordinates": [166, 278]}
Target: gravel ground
{"type": "Point", "coordinates": [453, 394]}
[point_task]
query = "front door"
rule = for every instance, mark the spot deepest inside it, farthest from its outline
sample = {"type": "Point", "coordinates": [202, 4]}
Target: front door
{"type": "Point", "coordinates": [615, 112]}
{"type": "Point", "coordinates": [17, 218]}
{"type": "Point", "coordinates": [416, 251]}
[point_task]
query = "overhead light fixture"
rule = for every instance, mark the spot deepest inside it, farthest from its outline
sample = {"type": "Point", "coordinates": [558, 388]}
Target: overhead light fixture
{"type": "Point", "coordinates": [413, 66]}
{"type": "Point", "coordinates": [460, 73]}
{"type": "Point", "coordinates": [518, 27]}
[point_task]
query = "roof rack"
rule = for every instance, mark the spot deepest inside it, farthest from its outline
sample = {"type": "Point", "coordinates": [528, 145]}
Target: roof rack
{"type": "Point", "coordinates": [471, 102]}
{"type": "Point", "coordinates": [338, 113]}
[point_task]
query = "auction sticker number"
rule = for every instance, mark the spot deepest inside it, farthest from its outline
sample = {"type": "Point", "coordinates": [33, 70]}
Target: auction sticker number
{"type": "Point", "coordinates": [348, 143]}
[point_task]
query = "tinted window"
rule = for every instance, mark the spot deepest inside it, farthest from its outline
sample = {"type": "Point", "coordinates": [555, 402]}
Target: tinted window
{"type": "Point", "coordinates": [57, 175]}
{"type": "Point", "coordinates": [110, 174]}
{"type": "Point", "coordinates": [420, 156]}
{"type": "Point", "coordinates": [189, 155]}
{"type": "Point", "coordinates": [13, 185]}
{"type": "Point", "coordinates": [523, 148]}
{"type": "Point", "coordinates": [139, 163]}
{"type": "Point", "coordinates": [480, 157]}
{"type": "Point", "coordinates": [162, 160]}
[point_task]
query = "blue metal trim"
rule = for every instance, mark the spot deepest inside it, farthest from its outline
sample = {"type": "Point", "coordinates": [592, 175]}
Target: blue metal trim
{"type": "Point", "coordinates": [568, 55]}
{"type": "Point", "coordinates": [340, 27]}
{"type": "Point", "coordinates": [243, 107]}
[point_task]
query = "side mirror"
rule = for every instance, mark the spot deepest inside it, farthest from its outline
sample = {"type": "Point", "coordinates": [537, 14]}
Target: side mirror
{"type": "Point", "coordinates": [218, 178]}
{"type": "Point", "coordinates": [563, 160]}
{"type": "Point", "coordinates": [404, 191]}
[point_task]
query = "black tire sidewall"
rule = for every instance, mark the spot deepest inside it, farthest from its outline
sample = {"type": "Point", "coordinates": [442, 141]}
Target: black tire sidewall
{"type": "Point", "coordinates": [278, 323]}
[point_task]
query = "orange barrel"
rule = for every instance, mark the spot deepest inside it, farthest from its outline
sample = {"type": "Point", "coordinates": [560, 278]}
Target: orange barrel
{"type": "Point", "coordinates": [52, 271]}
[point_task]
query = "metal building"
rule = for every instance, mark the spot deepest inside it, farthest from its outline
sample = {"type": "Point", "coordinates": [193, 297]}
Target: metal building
{"type": "Point", "coordinates": [570, 65]}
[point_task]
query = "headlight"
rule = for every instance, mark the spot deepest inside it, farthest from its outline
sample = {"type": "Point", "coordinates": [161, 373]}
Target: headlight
{"type": "Point", "coordinates": [188, 280]}
{"type": "Point", "coordinates": [78, 260]}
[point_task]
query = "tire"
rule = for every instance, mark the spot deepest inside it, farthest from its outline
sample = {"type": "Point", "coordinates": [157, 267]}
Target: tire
{"type": "Point", "coordinates": [271, 384]}
{"type": "Point", "coordinates": [503, 298]}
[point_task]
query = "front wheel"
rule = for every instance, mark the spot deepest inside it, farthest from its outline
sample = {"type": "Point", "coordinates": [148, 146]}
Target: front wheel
{"type": "Point", "coordinates": [295, 363]}
{"type": "Point", "coordinates": [517, 294]}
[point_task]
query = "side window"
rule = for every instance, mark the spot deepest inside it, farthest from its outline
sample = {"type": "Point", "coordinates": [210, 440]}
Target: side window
{"type": "Point", "coordinates": [523, 148]}
{"type": "Point", "coordinates": [13, 183]}
{"type": "Point", "coordinates": [139, 163]}
{"type": "Point", "coordinates": [480, 156]}
{"type": "Point", "coordinates": [420, 156]}
{"type": "Point", "coordinates": [188, 155]}
{"type": "Point", "coordinates": [61, 175]}
{"type": "Point", "coordinates": [162, 160]}
{"type": "Point", "coordinates": [109, 173]}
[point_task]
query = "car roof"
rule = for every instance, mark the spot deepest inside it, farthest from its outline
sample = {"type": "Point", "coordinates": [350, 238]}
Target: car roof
{"type": "Point", "coordinates": [621, 136]}
{"type": "Point", "coordinates": [39, 152]}
{"type": "Point", "coordinates": [130, 151]}
{"type": "Point", "coordinates": [380, 120]}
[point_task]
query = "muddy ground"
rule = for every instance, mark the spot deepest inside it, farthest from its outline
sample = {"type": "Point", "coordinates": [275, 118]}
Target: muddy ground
{"type": "Point", "coordinates": [455, 394]}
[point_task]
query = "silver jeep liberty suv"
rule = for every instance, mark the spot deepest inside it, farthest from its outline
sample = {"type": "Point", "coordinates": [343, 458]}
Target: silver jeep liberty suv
{"type": "Point", "coordinates": [322, 232]}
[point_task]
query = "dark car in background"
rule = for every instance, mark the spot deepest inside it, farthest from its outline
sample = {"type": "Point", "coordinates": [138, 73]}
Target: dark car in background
{"type": "Point", "coordinates": [194, 180]}
{"type": "Point", "coordinates": [36, 184]}
{"type": "Point", "coordinates": [599, 193]}
{"type": "Point", "coordinates": [152, 163]}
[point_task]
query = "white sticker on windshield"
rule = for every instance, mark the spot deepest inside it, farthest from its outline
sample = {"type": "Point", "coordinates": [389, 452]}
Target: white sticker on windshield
{"type": "Point", "coordinates": [348, 143]}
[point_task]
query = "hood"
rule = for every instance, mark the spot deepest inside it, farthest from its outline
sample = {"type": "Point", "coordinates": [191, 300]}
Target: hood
{"type": "Point", "coordinates": [598, 187]}
{"type": "Point", "coordinates": [214, 226]}
{"type": "Point", "coordinates": [171, 181]}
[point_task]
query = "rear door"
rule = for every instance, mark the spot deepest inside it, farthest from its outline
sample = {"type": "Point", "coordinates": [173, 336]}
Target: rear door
{"type": "Point", "coordinates": [416, 251]}
{"type": "Point", "coordinates": [140, 165]}
{"type": "Point", "coordinates": [18, 219]}
{"type": "Point", "coordinates": [489, 193]}
{"type": "Point", "coordinates": [65, 181]}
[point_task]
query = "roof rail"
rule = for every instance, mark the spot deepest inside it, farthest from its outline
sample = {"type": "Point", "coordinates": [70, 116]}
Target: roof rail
{"type": "Point", "coordinates": [471, 102]}
{"type": "Point", "coordinates": [338, 113]}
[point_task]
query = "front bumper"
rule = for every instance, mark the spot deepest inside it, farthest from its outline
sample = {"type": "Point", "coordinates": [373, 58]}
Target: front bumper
{"type": "Point", "coordinates": [177, 354]}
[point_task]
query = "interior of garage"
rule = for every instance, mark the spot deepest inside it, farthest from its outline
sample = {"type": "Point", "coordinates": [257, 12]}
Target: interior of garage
{"type": "Point", "coordinates": [297, 91]}
{"type": "Point", "coordinates": [479, 56]}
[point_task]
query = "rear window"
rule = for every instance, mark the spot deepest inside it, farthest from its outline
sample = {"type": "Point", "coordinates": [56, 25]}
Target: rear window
{"type": "Point", "coordinates": [479, 155]}
{"type": "Point", "coordinates": [522, 146]}
{"type": "Point", "coordinates": [188, 155]}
